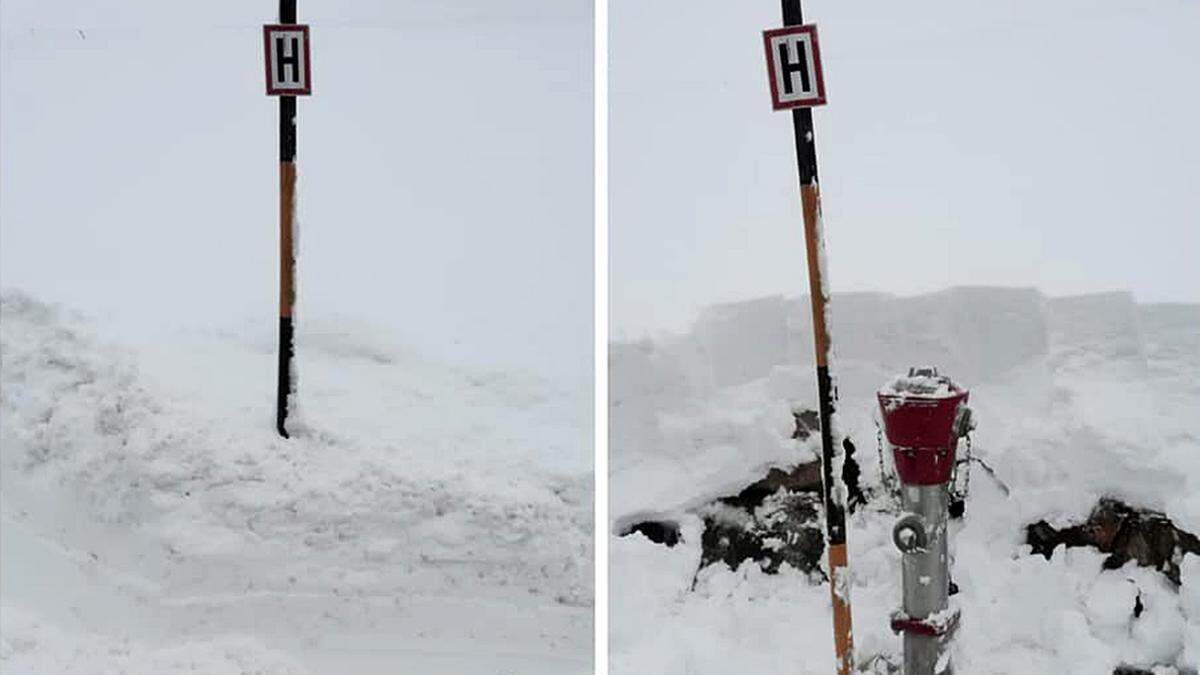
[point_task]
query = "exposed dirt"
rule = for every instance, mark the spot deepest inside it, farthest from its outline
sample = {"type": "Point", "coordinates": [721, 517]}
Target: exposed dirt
{"type": "Point", "coordinates": [784, 528]}
{"type": "Point", "coordinates": [1135, 670]}
{"type": "Point", "coordinates": [1125, 533]}
{"type": "Point", "coordinates": [664, 532]}
{"type": "Point", "coordinates": [774, 520]}
{"type": "Point", "coordinates": [808, 422]}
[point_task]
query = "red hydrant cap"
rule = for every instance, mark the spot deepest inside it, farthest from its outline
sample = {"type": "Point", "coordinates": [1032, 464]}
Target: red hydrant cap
{"type": "Point", "coordinates": [919, 414]}
{"type": "Point", "coordinates": [919, 410]}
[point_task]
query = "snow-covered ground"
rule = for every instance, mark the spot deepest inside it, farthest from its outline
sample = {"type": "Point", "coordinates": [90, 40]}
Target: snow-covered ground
{"type": "Point", "coordinates": [426, 518]}
{"type": "Point", "coordinates": [1075, 398]}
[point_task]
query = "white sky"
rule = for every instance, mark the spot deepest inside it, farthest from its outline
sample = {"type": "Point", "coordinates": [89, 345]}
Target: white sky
{"type": "Point", "coordinates": [446, 160]}
{"type": "Point", "coordinates": [1021, 143]}
{"type": "Point", "coordinates": [445, 164]}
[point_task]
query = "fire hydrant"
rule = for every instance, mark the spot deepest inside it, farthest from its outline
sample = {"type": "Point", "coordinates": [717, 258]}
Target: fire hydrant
{"type": "Point", "coordinates": [924, 414]}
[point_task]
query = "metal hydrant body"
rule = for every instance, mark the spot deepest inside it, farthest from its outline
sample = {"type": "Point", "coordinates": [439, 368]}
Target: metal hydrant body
{"type": "Point", "coordinates": [926, 578]}
{"type": "Point", "coordinates": [923, 415]}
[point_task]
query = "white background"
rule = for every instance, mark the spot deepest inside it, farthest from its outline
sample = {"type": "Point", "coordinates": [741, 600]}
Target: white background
{"type": "Point", "coordinates": [444, 162]}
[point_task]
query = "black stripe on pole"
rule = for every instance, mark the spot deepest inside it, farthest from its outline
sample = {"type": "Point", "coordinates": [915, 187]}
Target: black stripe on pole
{"type": "Point", "coordinates": [793, 14]}
{"type": "Point", "coordinates": [287, 128]}
{"type": "Point", "coordinates": [835, 514]}
{"type": "Point", "coordinates": [286, 350]}
{"type": "Point", "coordinates": [287, 104]}
{"type": "Point", "coordinates": [802, 119]}
{"type": "Point", "coordinates": [806, 145]}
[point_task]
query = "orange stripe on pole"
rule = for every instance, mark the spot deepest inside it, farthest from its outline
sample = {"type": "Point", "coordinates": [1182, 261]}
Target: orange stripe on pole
{"type": "Point", "coordinates": [843, 628]}
{"type": "Point", "coordinates": [287, 259]}
{"type": "Point", "coordinates": [810, 199]}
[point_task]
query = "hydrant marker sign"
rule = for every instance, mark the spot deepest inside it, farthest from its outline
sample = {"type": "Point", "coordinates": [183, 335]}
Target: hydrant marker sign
{"type": "Point", "coordinates": [794, 67]}
{"type": "Point", "coordinates": [289, 72]}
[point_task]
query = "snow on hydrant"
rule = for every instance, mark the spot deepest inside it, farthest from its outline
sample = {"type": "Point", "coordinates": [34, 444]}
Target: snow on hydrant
{"type": "Point", "coordinates": [924, 414]}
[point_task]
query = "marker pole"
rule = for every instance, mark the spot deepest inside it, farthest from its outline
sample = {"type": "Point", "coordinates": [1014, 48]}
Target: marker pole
{"type": "Point", "coordinates": [287, 251]}
{"type": "Point", "coordinates": [835, 511]}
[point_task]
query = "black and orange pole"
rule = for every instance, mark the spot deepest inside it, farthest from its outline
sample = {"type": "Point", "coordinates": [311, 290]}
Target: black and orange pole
{"type": "Point", "coordinates": [833, 495]}
{"type": "Point", "coordinates": [286, 385]}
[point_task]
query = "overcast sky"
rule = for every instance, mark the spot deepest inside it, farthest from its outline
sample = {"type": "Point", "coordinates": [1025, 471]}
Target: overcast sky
{"type": "Point", "coordinates": [445, 159]}
{"type": "Point", "coordinates": [1021, 143]}
{"type": "Point", "coordinates": [445, 169]}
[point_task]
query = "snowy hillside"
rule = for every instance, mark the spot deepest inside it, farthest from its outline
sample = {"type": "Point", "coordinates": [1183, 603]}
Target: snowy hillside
{"type": "Point", "coordinates": [1075, 398]}
{"type": "Point", "coordinates": [427, 518]}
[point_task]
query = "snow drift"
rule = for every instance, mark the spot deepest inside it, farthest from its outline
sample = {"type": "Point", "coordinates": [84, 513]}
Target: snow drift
{"type": "Point", "coordinates": [425, 517]}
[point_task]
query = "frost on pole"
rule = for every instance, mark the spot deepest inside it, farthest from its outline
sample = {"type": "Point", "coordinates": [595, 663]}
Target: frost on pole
{"type": "Point", "coordinates": [794, 67]}
{"type": "Point", "coordinates": [288, 70]}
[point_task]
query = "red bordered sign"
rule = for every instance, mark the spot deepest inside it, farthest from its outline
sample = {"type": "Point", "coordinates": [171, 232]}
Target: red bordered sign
{"type": "Point", "coordinates": [794, 67]}
{"type": "Point", "coordinates": [289, 72]}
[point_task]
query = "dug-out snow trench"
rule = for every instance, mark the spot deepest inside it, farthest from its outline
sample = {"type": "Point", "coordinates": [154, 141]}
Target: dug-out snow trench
{"type": "Point", "coordinates": [1078, 398]}
{"type": "Point", "coordinates": [783, 508]}
{"type": "Point", "coordinates": [777, 519]}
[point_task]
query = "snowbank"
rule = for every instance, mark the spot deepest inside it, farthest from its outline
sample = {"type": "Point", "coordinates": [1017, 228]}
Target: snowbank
{"type": "Point", "coordinates": [417, 507]}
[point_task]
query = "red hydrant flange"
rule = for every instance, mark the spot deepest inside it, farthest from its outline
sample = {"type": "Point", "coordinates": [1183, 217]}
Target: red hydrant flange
{"type": "Point", "coordinates": [940, 626]}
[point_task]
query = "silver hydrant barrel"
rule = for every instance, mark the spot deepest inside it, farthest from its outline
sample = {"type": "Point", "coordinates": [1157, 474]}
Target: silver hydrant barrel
{"type": "Point", "coordinates": [923, 414]}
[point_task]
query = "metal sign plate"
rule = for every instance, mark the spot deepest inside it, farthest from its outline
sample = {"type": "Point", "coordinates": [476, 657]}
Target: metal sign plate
{"type": "Point", "coordinates": [794, 67]}
{"type": "Point", "coordinates": [289, 71]}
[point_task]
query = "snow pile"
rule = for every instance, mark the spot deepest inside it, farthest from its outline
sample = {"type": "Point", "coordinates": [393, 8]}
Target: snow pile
{"type": "Point", "coordinates": [147, 499]}
{"type": "Point", "coordinates": [1074, 398]}
{"type": "Point", "coordinates": [920, 384]}
{"type": "Point", "coordinates": [29, 645]}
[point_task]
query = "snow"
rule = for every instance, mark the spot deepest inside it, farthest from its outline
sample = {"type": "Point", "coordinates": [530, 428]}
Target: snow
{"type": "Point", "coordinates": [29, 645]}
{"type": "Point", "coordinates": [658, 625]}
{"type": "Point", "coordinates": [922, 385]}
{"type": "Point", "coordinates": [425, 517]}
{"type": "Point", "coordinates": [1074, 398]}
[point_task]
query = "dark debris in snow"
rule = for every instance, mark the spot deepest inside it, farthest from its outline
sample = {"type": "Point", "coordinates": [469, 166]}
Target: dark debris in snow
{"type": "Point", "coordinates": [1125, 533]}
{"type": "Point", "coordinates": [784, 528]}
{"type": "Point", "coordinates": [658, 531]}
